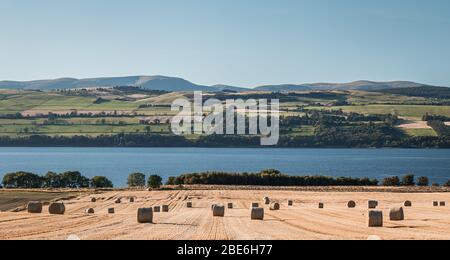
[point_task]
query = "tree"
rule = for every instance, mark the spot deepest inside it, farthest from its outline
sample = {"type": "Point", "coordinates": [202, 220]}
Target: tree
{"type": "Point", "coordinates": [270, 172]}
{"type": "Point", "coordinates": [74, 180]}
{"type": "Point", "coordinates": [154, 181]}
{"type": "Point", "coordinates": [447, 184]}
{"type": "Point", "coordinates": [391, 181]}
{"type": "Point", "coordinates": [136, 180]}
{"type": "Point", "coordinates": [52, 180]}
{"type": "Point", "coordinates": [408, 180]}
{"type": "Point", "coordinates": [423, 181]}
{"type": "Point", "coordinates": [101, 182]}
{"type": "Point", "coordinates": [172, 181]}
{"type": "Point", "coordinates": [148, 129]}
{"type": "Point", "coordinates": [23, 180]}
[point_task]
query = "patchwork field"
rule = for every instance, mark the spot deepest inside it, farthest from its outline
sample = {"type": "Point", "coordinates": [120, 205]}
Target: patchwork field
{"type": "Point", "coordinates": [304, 220]}
{"type": "Point", "coordinates": [410, 111]}
{"type": "Point", "coordinates": [98, 112]}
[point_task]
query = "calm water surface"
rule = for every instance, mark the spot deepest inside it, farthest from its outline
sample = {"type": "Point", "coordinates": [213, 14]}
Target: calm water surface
{"type": "Point", "coordinates": [117, 163]}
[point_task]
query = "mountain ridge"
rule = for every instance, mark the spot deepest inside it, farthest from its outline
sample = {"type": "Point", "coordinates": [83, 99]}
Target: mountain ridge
{"type": "Point", "coordinates": [176, 84]}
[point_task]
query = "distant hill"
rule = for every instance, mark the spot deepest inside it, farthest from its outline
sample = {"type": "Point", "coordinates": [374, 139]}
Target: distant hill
{"type": "Point", "coordinates": [230, 88]}
{"type": "Point", "coordinates": [423, 91]}
{"type": "Point", "coordinates": [147, 82]}
{"type": "Point", "coordinates": [364, 85]}
{"type": "Point", "coordinates": [173, 84]}
{"type": "Point", "coordinates": [357, 85]}
{"type": "Point", "coordinates": [283, 88]}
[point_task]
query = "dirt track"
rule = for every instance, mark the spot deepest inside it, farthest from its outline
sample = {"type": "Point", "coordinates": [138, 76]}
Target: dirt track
{"type": "Point", "coordinates": [302, 221]}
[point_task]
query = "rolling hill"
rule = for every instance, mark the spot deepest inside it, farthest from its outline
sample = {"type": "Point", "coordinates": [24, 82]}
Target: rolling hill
{"type": "Point", "coordinates": [174, 84]}
{"type": "Point", "coordinates": [424, 91]}
{"type": "Point", "coordinates": [147, 82]}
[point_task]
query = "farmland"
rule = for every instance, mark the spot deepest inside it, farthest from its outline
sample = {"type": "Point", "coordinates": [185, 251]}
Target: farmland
{"type": "Point", "coordinates": [97, 112]}
{"type": "Point", "coordinates": [303, 220]}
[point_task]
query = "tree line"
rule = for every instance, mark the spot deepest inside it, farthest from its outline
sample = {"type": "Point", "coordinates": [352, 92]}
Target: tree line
{"type": "Point", "coordinates": [70, 179]}
{"type": "Point", "coordinates": [269, 177]}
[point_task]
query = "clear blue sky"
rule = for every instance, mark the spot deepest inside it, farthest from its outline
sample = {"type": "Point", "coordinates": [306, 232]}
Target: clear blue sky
{"type": "Point", "coordinates": [237, 42]}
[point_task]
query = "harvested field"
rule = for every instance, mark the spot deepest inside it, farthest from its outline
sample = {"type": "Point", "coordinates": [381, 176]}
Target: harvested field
{"type": "Point", "coordinates": [415, 125]}
{"type": "Point", "coordinates": [302, 221]}
{"type": "Point", "coordinates": [12, 199]}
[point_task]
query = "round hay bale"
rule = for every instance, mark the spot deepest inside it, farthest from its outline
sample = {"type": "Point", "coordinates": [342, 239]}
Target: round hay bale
{"type": "Point", "coordinates": [397, 214]}
{"type": "Point", "coordinates": [145, 215]}
{"type": "Point", "coordinates": [321, 205]}
{"type": "Point", "coordinates": [442, 203]}
{"type": "Point", "coordinates": [93, 200]}
{"type": "Point", "coordinates": [274, 206]}
{"type": "Point", "coordinates": [407, 203]}
{"type": "Point", "coordinates": [257, 214]}
{"type": "Point", "coordinates": [212, 206]}
{"type": "Point", "coordinates": [351, 204]}
{"type": "Point", "coordinates": [375, 218]}
{"type": "Point", "coordinates": [435, 204]}
{"type": "Point", "coordinates": [372, 204]}
{"type": "Point", "coordinates": [165, 208]}
{"type": "Point", "coordinates": [90, 211]}
{"type": "Point", "coordinates": [156, 209]}
{"type": "Point", "coordinates": [118, 201]}
{"type": "Point", "coordinates": [111, 211]}
{"type": "Point", "coordinates": [266, 200]}
{"type": "Point", "coordinates": [255, 205]}
{"type": "Point", "coordinates": [219, 211]}
{"type": "Point", "coordinates": [34, 207]}
{"type": "Point", "coordinates": [290, 203]}
{"type": "Point", "coordinates": [189, 204]}
{"type": "Point", "coordinates": [230, 205]}
{"type": "Point", "coordinates": [131, 200]}
{"type": "Point", "coordinates": [57, 209]}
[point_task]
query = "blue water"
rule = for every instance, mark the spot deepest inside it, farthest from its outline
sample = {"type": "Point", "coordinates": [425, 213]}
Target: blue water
{"type": "Point", "coordinates": [117, 163]}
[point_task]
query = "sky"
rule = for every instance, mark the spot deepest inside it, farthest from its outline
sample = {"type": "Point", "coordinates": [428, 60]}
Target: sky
{"type": "Point", "coordinates": [236, 42]}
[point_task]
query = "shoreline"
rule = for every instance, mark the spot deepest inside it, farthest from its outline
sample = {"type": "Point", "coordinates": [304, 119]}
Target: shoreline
{"type": "Point", "coordinates": [324, 189]}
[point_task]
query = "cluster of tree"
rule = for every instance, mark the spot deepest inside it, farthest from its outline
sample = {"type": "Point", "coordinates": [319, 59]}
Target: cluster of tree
{"type": "Point", "coordinates": [424, 91]}
{"type": "Point", "coordinates": [12, 116]}
{"type": "Point", "coordinates": [335, 118]}
{"type": "Point", "coordinates": [155, 105]}
{"type": "Point", "coordinates": [72, 114]}
{"type": "Point", "coordinates": [407, 180]}
{"type": "Point", "coordinates": [71, 179]}
{"type": "Point", "coordinates": [129, 90]}
{"type": "Point", "coordinates": [427, 117]}
{"type": "Point", "coordinates": [139, 180]}
{"type": "Point", "coordinates": [440, 128]}
{"type": "Point", "coordinates": [119, 140]}
{"type": "Point", "coordinates": [266, 178]}
{"type": "Point", "coordinates": [363, 136]}
{"type": "Point", "coordinates": [390, 119]}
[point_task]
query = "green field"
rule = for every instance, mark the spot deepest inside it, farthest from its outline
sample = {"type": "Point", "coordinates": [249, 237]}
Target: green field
{"type": "Point", "coordinates": [302, 131]}
{"type": "Point", "coordinates": [420, 132]}
{"type": "Point", "coordinates": [34, 104]}
{"type": "Point", "coordinates": [79, 129]}
{"type": "Point", "coordinates": [408, 111]}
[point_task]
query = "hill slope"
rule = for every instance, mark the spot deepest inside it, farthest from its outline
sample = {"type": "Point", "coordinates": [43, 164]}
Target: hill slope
{"type": "Point", "coordinates": [178, 85]}
{"type": "Point", "coordinates": [424, 91]}
{"type": "Point", "coordinates": [147, 82]}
